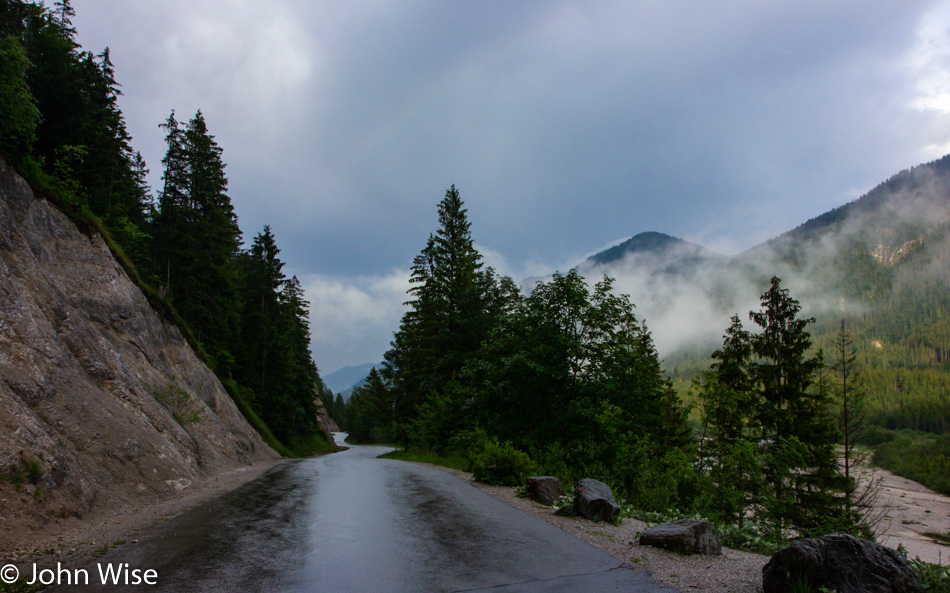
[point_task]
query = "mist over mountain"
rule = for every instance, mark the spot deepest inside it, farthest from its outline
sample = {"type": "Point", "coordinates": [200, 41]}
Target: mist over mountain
{"type": "Point", "coordinates": [882, 262]}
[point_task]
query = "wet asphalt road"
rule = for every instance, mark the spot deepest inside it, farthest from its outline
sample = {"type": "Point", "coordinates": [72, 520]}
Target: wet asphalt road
{"type": "Point", "coordinates": [350, 522]}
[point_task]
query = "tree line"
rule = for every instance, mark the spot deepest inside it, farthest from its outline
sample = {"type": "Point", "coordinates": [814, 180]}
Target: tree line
{"type": "Point", "coordinates": [63, 129]}
{"type": "Point", "coordinates": [566, 377]}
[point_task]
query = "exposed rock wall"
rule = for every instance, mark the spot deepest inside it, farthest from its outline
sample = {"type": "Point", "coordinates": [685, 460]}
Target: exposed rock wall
{"type": "Point", "coordinates": [327, 425]}
{"type": "Point", "coordinates": [91, 378]}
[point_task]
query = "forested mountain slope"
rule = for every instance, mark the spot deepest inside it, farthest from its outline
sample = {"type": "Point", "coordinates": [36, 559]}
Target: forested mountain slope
{"type": "Point", "coordinates": [881, 263]}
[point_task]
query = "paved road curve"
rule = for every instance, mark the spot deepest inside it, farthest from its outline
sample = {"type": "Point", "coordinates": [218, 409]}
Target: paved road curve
{"type": "Point", "coordinates": [350, 522]}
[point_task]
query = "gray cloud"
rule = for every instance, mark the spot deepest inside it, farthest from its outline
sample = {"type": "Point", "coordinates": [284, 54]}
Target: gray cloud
{"type": "Point", "coordinates": [564, 124]}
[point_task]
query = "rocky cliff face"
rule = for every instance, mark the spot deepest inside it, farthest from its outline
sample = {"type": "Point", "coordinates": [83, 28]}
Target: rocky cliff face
{"type": "Point", "coordinates": [327, 425]}
{"type": "Point", "coordinates": [102, 403]}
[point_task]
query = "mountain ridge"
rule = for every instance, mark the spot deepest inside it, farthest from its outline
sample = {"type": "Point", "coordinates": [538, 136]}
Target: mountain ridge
{"type": "Point", "coordinates": [881, 263]}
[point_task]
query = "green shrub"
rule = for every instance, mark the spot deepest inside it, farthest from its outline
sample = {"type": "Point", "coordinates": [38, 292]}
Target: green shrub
{"type": "Point", "coordinates": [501, 464]}
{"type": "Point", "coordinates": [184, 407]}
{"type": "Point", "coordinates": [468, 444]}
{"type": "Point", "coordinates": [917, 456]}
{"type": "Point", "coordinates": [933, 578]}
{"type": "Point", "coordinates": [875, 435]}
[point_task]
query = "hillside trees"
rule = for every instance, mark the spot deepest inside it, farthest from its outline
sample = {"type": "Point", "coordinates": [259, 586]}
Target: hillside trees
{"type": "Point", "coordinates": [61, 125]}
{"type": "Point", "coordinates": [79, 138]}
{"type": "Point", "coordinates": [768, 415]}
{"type": "Point", "coordinates": [272, 356]}
{"type": "Point", "coordinates": [369, 413]}
{"type": "Point", "coordinates": [20, 115]}
{"type": "Point", "coordinates": [195, 216]}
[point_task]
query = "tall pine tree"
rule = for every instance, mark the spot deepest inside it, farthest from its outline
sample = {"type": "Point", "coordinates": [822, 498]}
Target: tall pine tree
{"type": "Point", "coordinates": [447, 319]}
{"type": "Point", "coordinates": [197, 237]}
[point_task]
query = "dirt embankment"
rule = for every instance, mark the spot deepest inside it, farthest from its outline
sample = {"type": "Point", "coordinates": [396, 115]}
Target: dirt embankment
{"type": "Point", "coordinates": [104, 407]}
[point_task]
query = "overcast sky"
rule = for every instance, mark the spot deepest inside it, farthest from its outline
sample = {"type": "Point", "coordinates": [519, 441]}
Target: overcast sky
{"type": "Point", "coordinates": [565, 125]}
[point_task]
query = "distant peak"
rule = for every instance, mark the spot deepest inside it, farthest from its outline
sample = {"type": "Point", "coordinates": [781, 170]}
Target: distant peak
{"type": "Point", "coordinates": [649, 242]}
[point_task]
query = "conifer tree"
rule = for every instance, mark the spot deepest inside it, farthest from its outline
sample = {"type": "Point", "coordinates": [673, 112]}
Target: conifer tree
{"type": "Point", "coordinates": [447, 317]}
{"type": "Point", "coordinates": [798, 432]}
{"type": "Point", "coordinates": [20, 114]}
{"type": "Point", "coordinates": [730, 438]}
{"type": "Point", "coordinates": [197, 236]}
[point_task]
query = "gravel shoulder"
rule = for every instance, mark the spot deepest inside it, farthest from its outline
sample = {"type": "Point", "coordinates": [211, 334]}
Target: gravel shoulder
{"type": "Point", "coordinates": [908, 510]}
{"type": "Point", "coordinates": [733, 572]}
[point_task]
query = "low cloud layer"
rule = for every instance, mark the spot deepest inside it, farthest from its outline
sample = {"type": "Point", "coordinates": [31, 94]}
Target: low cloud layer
{"type": "Point", "coordinates": [352, 320]}
{"type": "Point", "coordinates": [688, 301]}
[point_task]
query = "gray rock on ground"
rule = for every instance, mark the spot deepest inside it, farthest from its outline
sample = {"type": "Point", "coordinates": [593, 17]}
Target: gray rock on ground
{"type": "Point", "coordinates": [595, 501]}
{"type": "Point", "coordinates": [686, 536]}
{"type": "Point", "coordinates": [544, 489]}
{"type": "Point", "coordinates": [842, 563]}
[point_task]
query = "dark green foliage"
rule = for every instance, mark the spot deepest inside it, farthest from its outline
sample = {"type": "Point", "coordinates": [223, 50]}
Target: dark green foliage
{"type": "Point", "coordinates": [274, 357]}
{"type": "Point", "coordinates": [574, 367]}
{"type": "Point", "coordinates": [450, 315]}
{"type": "Point", "coordinates": [501, 464]}
{"type": "Point", "coordinates": [20, 115]}
{"type": "Point", "coordinates": [768, 432]}
{"type": "Point", "coordinates": [67, 123]}
{"type": "Point", "coordinates": [918, 456]}
{"type": "Point", "coordinates": [933, 578]}
{"type": "Point", "coordinates": [566, 374]}
{"type": "Point", "coordinates": [195, 216]}
{"type": "Point", "coordinates": [369, 412]}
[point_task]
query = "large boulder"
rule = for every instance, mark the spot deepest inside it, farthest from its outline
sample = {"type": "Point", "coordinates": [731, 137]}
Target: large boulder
{"type": "Point", "coordinates": [545, 489]}
{"type": "Point", "coordinates": [841, 563]}
{"type": "Point", "coordinates": [686, 536]}
{"type": "Point", "coordinates": [595, 501]}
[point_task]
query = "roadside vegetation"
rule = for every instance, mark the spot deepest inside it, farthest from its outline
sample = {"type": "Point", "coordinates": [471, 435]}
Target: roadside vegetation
{"type": "Point", "coordinates": [564, 380]}
{"type": "Point", "coordinates": [450, 461]}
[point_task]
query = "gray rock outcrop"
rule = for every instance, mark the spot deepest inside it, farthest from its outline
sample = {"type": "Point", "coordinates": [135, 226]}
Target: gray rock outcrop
{"type": "Point", "coordinates": [103, 404]}
{"type": "Point", "coordinates": [841, 563]}
{"type": "Point", "coordinates": [544, 489]}
{"type": "Point", "coordinates": [686, 536]}
{"type": "Point", "coordinates": [595, 501]}
{"type": "Point", "coordinates": [327, 425]}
